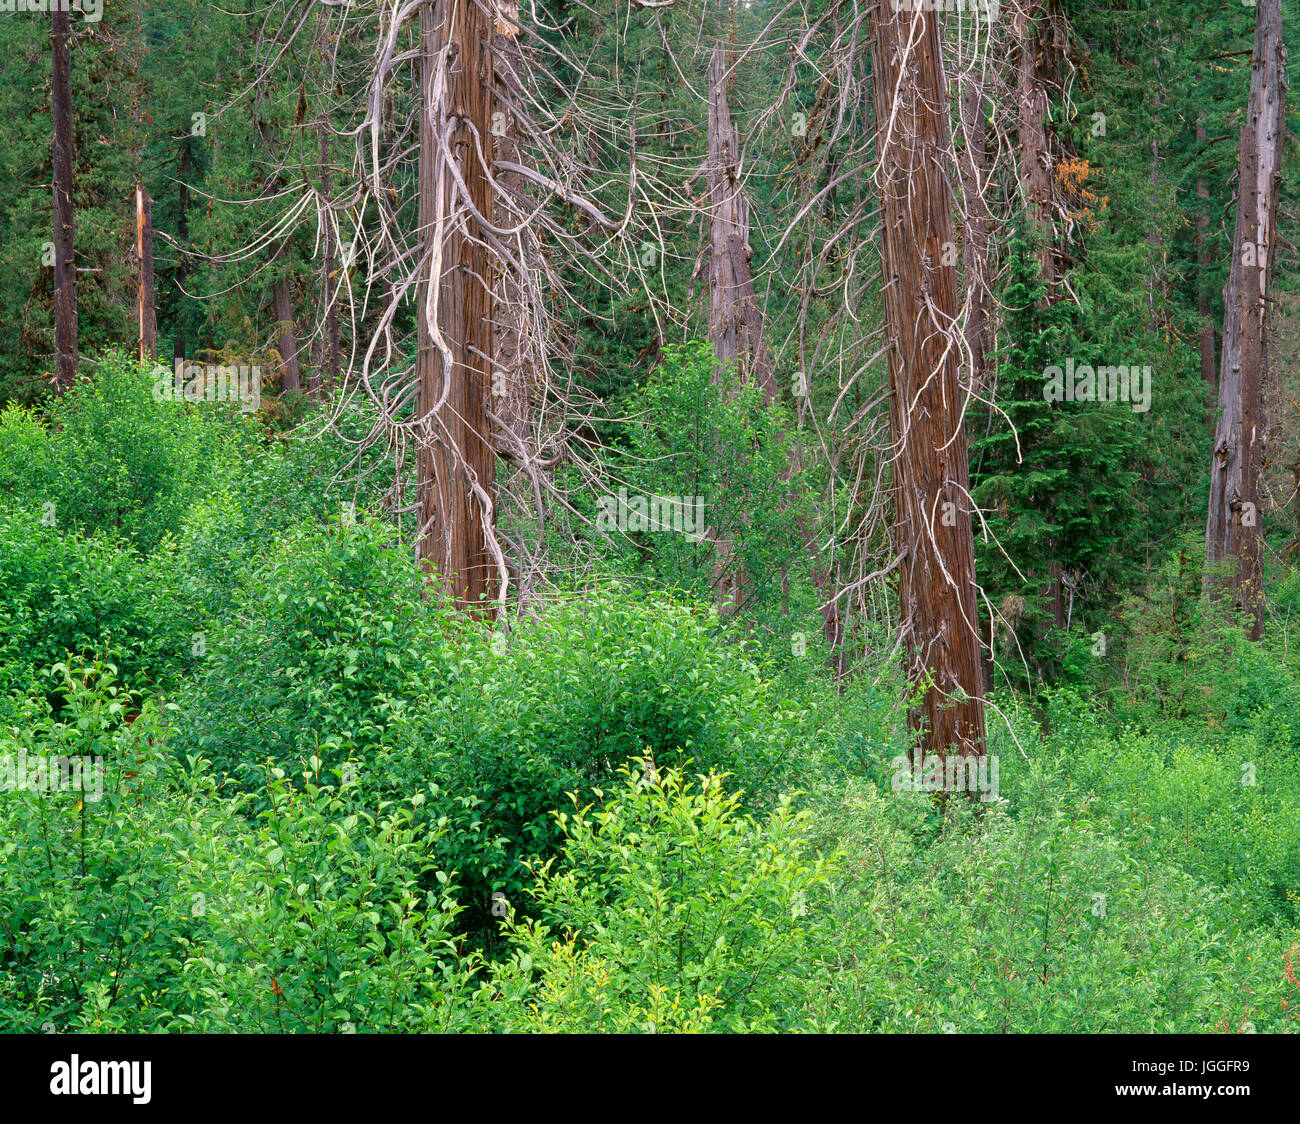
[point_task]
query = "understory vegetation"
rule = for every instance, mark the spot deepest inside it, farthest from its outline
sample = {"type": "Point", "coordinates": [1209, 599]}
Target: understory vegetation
{"type": "Point", "coordinates": [332, 803]}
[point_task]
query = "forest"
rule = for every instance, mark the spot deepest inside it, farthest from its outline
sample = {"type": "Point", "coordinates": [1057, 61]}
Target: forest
{"type": "Point", "coordinates": [649, 516]}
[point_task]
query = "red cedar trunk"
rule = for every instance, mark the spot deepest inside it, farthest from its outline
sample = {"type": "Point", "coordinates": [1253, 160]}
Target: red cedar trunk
{"type": "Point", "coordinates": [1031, 101]}
{"type": "Point", "coordinates": [1036, 185]}
{"type": "Point", "coordinates": [145, 308]}
{"type": "Point", "coordinates": [65, 269]}
{"type": "Point", "coordinates": [1233, 525]}
{"type": "Point", "coordinates": [937, 576]}
{"type": "Point", "coordinates": [1156, 290]}
{"type": "Point", "coordinates": [286, 336]}
{"type": "Point", "coordinates": [457, 465]}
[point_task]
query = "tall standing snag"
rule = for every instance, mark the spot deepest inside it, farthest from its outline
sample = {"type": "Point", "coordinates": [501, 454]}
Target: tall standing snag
{"type": "Point", "coordinates": [1232, 528]}
{"type": "Point", "coordinates": [456, 462]}
{"type": "Point", "coordinates": [931, 475]}
{"type": "Point", "coordinates": [65, 268]}
{"type": "Point", "coordinates": [1031, 129]}
{"type": "Point", "coordinates": [147, 343]}
{"type": "Point", "coordinates": [735, 321]}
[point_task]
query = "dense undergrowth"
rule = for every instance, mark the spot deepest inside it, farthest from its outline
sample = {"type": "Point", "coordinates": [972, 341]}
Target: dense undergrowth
{"type": "Point", "coordinates": [330, 803]}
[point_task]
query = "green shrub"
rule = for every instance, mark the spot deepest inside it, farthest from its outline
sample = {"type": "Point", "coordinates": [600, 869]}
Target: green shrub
{"type": "Point", "coordinates": [148, 901]}
{"type": "Point", "coordinates": [1036, 923]}
{"type": "Point", "coordinates": [565, 704]}
{"type": "Point", "coordinates": [696, 432]}
{"type": "Point", "coordinates": [115, 460]}
{"type": "Point", "coordinates": [325, 629]}
{"type": "Point", "coordinates": [62, 594]}
{"type": "Point", "coordinates": [318, 920]}
{"type": "Point", "coordinates": [667, 910]}
{"type": "Point", "coordinates": [1223, 807]}
{"type": "Point", "coordinates": [90, 920]}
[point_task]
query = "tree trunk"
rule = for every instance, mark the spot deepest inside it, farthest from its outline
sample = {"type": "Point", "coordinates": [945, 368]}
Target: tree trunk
{"type": "Point", "coordinates": [1031, 101]}
{"type": "Point", "coordinates": [65, 268]}
{"type": "Point", "coordinates": [147, 313]}
{"type": "Point", "coordinates": [1233, 526]}
{"type": "Point", "coordinates": [457, 465]}
{"type": "Point", "coordinates": [735, 322]}
{"type": "Point", "coordinates": [931, 474]}
{"type": "Point", "coordinates": [1157, 303]}
{"type": "Point", "coordinates": [286, 336]}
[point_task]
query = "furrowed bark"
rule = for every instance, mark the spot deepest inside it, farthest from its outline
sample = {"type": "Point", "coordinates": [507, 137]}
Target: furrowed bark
{"type": "Point", "coordinates": [286, 336]}
{"type": "Point", "coordinates": [1204, 310]}
{"type": "Point", "coordinates": [975, 233]}
{"type": "Point", "coordinates": [1233, 524]}
{"type": "Point", "coordinates": [456, 463]}
{"type": "Point", "coordinates": [735, 322]}
{"type": "Point", "coordinates": [937, 574]}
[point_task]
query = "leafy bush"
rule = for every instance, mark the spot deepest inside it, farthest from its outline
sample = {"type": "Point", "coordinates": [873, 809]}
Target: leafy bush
{"type": "Point", "coordinates": [325, 629]}
{"type": "Point", "coordinates": [114, 459]}
{"type": "Point", "coordinates": [318, 921]}
{"type": "Point", "coordinates": [697, 432]}
{"type": "Point", "coordinates": [61, 594]}
{"type": "Point", "coordinates": [1039, 922]}
{"type": "Point", "coordinates": [1224, 808]}
{"type": "Point", "coordinates": [90, 920]}
{"type": "Point", "coordinates": [668, 910]}
{"type": "Point", "coordinates": [563, 706]}
{"type": "Point", "coordinates": [148, 902]}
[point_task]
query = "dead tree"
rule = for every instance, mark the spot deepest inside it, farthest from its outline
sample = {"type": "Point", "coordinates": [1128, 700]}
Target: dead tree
{"type": "Point", "coordinates": [474, 256]}
{"type": "Point", "coordinates": [735, 322]}
{"type": "Point", "coordinates": [932, 516]}
{"type": "Point", "coordinates": [1031, 118]}
{"type": "Point", "coordinates": [456, 465]}
{"type": "Point", "coordinates": [326, 376]}
{"type": "Point", "coordinates": [145, 308]}
{"type": "Point", "coordinates": [185, 166]}
{"type": "Point", "coordinates": [65, 268]}
{"type": "Point", "coordinates": [514, 366]}
{"type": "Point", "coordinates": [286, 335]}
{"type": "Point", "coordinates": [1233, 525]}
